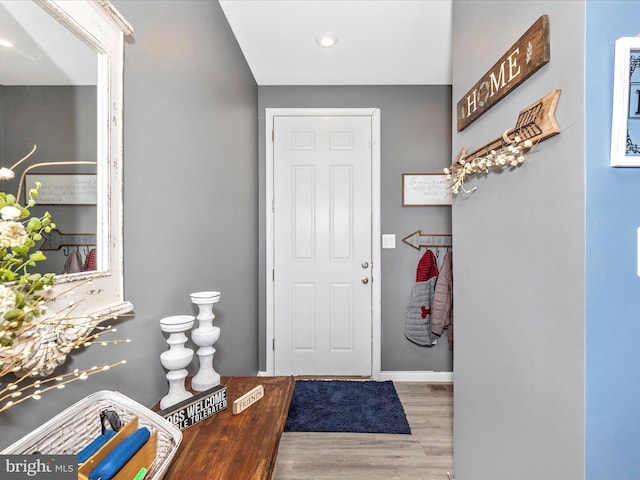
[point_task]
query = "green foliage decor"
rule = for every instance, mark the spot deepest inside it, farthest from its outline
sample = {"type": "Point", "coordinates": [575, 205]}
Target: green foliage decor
{"type": "Point", "coordinates": [21, 292]}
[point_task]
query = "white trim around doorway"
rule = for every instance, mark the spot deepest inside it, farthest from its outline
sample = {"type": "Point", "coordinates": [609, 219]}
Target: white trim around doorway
{"type": "Point", "coordinates": [376, 321]}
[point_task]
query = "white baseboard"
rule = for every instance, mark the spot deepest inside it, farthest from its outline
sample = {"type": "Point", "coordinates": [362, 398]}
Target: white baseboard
{"type": "Point", "coordinates": [428, 376]}
{"type": "Point", "coordinates": [424, 376]}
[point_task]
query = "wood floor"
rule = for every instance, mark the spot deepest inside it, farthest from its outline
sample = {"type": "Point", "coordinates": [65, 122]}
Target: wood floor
{"type": "Point", "coordinates": [426, 454]}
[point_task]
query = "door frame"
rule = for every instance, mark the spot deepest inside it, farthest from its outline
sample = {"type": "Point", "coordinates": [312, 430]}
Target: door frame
{"type": "Point", "coordinates": [376, 295]}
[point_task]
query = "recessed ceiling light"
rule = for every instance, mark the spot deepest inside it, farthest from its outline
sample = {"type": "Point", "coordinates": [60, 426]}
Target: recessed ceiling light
{"type": "Point", "coordinates": [327, 40]}
{"type": "Point", "coordinates": [5, 43]}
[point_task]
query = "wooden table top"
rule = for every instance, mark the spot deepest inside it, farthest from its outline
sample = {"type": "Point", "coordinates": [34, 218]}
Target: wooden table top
{"type": "Point", "coordinates": [242, 446]}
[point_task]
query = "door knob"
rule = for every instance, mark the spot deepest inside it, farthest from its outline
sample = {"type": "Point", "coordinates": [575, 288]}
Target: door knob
{"type": "Point", "coordinates": [364, 280]}
{"type": "Point", "coordinates": [365, 265]}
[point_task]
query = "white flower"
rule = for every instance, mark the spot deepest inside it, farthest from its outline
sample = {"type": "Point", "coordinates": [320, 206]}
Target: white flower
{"type": "Point", "coordinates": [6, 174]}
{"type": "Point", "coordinates": [511, 155]}
{"type": "Point", "coordinates": [7, 300]}
{"type": "Point", "coordinates": [10, 213]}
{"type": "Point", "coordinates": [12, 234]}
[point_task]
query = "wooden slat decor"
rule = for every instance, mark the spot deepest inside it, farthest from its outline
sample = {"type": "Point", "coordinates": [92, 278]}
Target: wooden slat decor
{"type": "Point", "coordinates": [536, 123]}
{"type": "Point", "coordinates": [522, 60]}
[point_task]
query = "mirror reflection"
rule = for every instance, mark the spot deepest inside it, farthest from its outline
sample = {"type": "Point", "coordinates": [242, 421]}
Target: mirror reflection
{"type": "Point", "coordinates": [48, 98]}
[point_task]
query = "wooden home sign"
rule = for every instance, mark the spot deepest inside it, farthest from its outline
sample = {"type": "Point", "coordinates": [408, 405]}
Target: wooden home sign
{"type": "Point", "coordinates": [522, 60]}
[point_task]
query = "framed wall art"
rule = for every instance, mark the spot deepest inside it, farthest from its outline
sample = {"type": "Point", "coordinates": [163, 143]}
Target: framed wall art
{"type": "Point", "coordinates": [425, 189]}
{"type": "Point", "coordinates": [64, 188]}
{"type": "Point", "coordinates": [625, 125]}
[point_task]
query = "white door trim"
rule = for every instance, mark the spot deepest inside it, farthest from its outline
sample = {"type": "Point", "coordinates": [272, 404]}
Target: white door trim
{"type": "Point", "coordinates": [376, 294]}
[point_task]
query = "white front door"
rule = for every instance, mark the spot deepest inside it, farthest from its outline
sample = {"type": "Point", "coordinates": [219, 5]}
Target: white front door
{"type": "Point", "coordinates": [322, 245]}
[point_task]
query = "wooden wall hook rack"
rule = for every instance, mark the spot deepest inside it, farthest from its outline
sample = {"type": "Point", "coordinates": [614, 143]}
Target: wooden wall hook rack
{"type": "Point", "coordinates": [419, 240]}
{"type": "Point", "coordinates": [55, 240]}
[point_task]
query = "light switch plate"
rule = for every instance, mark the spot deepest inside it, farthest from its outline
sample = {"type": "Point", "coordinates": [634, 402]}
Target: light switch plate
{"type": "Point", "coordinates": [389, 240]}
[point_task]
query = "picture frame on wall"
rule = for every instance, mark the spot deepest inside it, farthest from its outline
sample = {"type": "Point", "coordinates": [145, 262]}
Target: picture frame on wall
{"type": "Point", "coordinates": [625, 125]}
{"type": "Point", "coordinates": [425, 190]}
{"type": "Point", "coordinates": [64, 188]}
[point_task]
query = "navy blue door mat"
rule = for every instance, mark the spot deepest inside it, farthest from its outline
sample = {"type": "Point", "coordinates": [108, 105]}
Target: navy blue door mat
{"type": "Point", "coordinates": [358, 406]}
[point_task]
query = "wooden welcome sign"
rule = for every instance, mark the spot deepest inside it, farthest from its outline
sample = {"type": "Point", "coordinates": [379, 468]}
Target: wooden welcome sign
{"type": "Point", "coordinates": [197, 408]}
{"type": "Point", "coordinates": [522, 60]}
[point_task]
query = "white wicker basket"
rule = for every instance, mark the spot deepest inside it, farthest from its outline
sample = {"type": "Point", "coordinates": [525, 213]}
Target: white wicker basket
{"type": "Point", "coordinates": [74, 428]}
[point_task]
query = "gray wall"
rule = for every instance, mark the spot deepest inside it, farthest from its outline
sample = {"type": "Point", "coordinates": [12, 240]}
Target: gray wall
{"type": "Point", "coordinates": [416, 138]}
{"type": "Point", "coordinates": [519, 266]}
{"type": "Point", "coordinates": [190, 201]}
{"type": "Point", "coordinates": [61, 122]}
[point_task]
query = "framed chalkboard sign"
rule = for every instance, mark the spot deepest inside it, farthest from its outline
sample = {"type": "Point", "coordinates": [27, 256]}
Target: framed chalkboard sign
{"type": "Point", "coordinates": [64, 188]}
{"type": "Point", "coordinates": [625, 125]}
{"type": "Point", "coordinates": [425, 189]}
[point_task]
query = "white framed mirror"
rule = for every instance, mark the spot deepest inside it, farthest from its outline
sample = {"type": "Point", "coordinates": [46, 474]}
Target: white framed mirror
{"type": "Point", "coordinates": [84, 61]}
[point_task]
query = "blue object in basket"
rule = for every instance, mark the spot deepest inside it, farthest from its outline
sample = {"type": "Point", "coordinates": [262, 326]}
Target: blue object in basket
{"type": "Point", "coordinates": [120, 455]}
{"type": "Point", "coordinates": [94, 446]}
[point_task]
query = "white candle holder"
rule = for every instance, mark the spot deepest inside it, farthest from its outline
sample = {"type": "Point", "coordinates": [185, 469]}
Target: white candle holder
{"type": "Point", "coordinates": [177, 358]}
{"type": "Point", "coordinates": [205, 336]}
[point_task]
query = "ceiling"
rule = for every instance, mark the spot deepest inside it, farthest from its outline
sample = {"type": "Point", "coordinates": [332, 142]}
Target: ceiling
{"type": "Point", "coordinates": [380, 42]}
{"type": "Point", "coordinates": [44, 52]}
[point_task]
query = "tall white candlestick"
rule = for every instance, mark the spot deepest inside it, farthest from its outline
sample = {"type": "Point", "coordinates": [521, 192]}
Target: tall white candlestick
{"type": "Point", "coordinates": [205, 336]}
{"type": "Point", "coordinates": [177, 358]}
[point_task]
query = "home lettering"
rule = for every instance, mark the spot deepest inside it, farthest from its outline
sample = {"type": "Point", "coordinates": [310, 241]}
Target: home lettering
{"type": "Point", "coordinates": [519, 62]}
{"type": "Point", "coordinates": [495, 84]}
